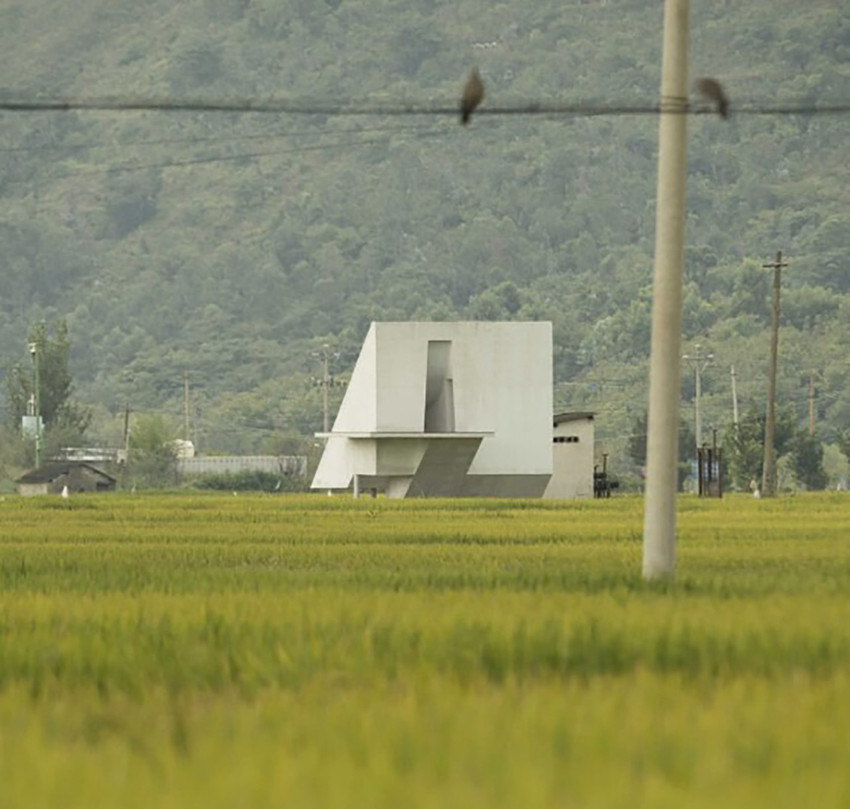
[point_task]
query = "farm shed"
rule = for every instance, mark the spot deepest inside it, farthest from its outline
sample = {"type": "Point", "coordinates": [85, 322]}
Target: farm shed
{"type": "Point", "coordinates": [572, 456]}
{"type": "Point", "coordinates": [52, 477]}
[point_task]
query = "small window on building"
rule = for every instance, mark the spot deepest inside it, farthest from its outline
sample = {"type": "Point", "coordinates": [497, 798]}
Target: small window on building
{"type": "Point", "coordinates": [566, 439]}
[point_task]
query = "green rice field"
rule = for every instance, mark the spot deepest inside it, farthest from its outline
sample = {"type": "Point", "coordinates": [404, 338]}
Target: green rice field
{"type": "Point", "coordinates": [305, 651]}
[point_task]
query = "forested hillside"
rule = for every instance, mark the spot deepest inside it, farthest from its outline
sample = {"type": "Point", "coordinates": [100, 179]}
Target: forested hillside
{"type": "Point", "coordinates": [233, 246]}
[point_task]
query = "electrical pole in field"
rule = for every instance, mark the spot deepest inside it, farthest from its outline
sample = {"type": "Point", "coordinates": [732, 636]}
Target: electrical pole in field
{"type": "Point", "coordinates": [34, 354]}
{"type": "Point", "coordinates": [812, 404]}
{"type": "Point", "coordinates": [734, 399]}
{"type": "Point", "coordinates": [768, 480]}
{"type": "Point", "coordinates": [125, 443]}
{"type": "Point", "coordinates": [659, 528]}
{"type": "Point", "coordinates": [326, 383]}
{"type": "Point", "coordinates": [700, 362]}
{"type": "Point", "coordinates": [185, 405]}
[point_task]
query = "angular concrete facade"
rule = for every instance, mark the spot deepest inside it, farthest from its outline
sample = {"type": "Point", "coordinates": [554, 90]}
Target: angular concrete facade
{"type": "Point", "coordinates": [446, 410]}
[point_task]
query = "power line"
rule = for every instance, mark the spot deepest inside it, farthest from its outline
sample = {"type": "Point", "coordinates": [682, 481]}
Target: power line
{"type": "Point", "coordinates": [238, 156]}
{"type": "Point", "coordinates": [342, 108]}
{"type": "Point", "coordinates": [217, 139]}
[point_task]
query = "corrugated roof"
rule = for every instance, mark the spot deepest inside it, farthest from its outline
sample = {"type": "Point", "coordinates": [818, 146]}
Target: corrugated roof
{"type": "Point", "coordinates": [50, 471]}
{"type": "Point", "coordinates": [560, 418]}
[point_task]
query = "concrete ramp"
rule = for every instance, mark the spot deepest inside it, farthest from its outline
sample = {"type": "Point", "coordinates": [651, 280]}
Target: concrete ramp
{"type": "Point", "coordinates": [444, 467]}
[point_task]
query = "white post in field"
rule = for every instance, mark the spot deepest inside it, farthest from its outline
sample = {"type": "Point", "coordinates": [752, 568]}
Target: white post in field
{"type": "Point", "coordinates": [659, 530]}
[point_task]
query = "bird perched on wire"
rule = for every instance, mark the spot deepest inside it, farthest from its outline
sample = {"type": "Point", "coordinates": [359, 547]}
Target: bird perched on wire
{"type": "Point", "coordinates": [713, 90]}
{"type": "Point", "coordinates": [473, 95]}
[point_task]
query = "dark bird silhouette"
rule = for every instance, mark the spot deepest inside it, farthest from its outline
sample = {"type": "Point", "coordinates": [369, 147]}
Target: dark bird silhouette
{"type": "Point", "coordinates": [713, 90]}
{"type": "Point", "coordinates": [473, 95]}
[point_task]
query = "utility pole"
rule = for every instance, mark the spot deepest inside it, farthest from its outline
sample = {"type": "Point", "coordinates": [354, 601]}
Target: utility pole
{"type": "Point", "coordinates": [326, 382]}
{"type": "Point", "coordinates": [125, 442]}
{"type": "Point", "coordinates": [659, 528]}
{"type": "Point", "coordinates": [734, 399]}
{"type": "Point", "coordinates": [768, 480]}
{"type": "Point", "coordinates": [185, 405]}
{"type": "Point", "coordinates": [812, 404]}
{"type": "Point", "coordinates": [126, 438]}
{"type": "Point", "coordinates": [700, 362]}
{"type": "Point", "coordinates": [34, 354]}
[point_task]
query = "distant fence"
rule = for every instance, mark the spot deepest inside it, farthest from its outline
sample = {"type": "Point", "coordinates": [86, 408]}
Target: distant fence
{"type": "Point", "coordinates": [217, 464]}
{"type": "Point", "coordinates": [90, 455]}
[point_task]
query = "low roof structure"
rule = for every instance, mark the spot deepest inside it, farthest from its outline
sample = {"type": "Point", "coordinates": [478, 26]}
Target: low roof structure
{"type": "Point", "coordinates": [53, 476]}
{"type": "Point", "coordinates": [578, 415]}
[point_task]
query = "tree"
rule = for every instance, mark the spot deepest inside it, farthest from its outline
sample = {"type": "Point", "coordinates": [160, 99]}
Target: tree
{"type": "Point", "coordinates": [843, 441]}
{"type": "Point", "coordinates": [807, 459]}
{"type": "Point", "coordinates": [636, 446]}
{"type": "Point", "coordinates": [745, 453]}
{"type": "Point", "coordinates": [153, 453]}
{"type": "Point", "coordinates": [16, 455]}
{"type": "Point", "coordinates": [55, 384]}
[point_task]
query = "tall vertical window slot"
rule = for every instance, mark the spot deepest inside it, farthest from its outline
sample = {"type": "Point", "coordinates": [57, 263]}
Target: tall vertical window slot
{"type": "Point", "coordinates": [439, 393]}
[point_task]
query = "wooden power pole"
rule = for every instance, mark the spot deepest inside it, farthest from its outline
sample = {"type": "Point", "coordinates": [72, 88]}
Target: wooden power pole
{"type": "Point", "coordinates": [768, 480]}
{"type": "Point", "coordinates": [734, 398]}
{"type": "Point", "coordinates": [812, 404]}
{"type": "Point", "coordinates": [326, 383]}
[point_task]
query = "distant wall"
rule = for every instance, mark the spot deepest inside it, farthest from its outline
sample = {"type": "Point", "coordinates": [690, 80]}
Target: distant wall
{"type": "Point", "coordinates": [31, 489]}
{"type": "Point", "coordinates": [216, 464]}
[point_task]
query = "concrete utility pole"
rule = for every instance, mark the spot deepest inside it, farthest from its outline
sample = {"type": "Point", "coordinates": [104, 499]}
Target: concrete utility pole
{"type": "Point", "coordinates": [734, 399]}
{"type": "Point", "coordinates": [768, 480]}
{"type": "Point", "coordinates": [34, 354]}
{"type": "Point", "coordinates": [125, 440]}
{"type": "Point", "coordinates": [125, 443]}
{"type": "Point", "coordinates": [185, 405]}
{"type": "Point", "coordinates": [700, 362]}
{"type": "Point", "coordinates": [659, 529]}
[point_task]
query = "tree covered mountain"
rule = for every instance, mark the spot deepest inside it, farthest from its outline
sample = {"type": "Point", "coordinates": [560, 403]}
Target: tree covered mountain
{"type": "Point", "coordinates": [232, 247]}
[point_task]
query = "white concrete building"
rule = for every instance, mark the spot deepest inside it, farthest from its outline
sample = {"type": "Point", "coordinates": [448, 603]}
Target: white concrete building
{"type": "Point", "coordinates": [446, 410]}
{"type": "Point", "coordinates": [572, 456]}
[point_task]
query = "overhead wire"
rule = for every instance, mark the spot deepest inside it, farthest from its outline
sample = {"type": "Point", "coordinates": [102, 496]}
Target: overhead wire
{"type": "Point", "coordinates": [365, 108]}
{"type": "Point", "coordinates": [345, 144]}
{"type": "Point", "coordinates": [188, 141]}
{"type": "Point", "coordinates": [240, 156]}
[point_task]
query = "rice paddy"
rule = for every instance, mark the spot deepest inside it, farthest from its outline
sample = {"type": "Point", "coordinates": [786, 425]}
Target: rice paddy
{"type": "Point", "coordinates": [298, 651]}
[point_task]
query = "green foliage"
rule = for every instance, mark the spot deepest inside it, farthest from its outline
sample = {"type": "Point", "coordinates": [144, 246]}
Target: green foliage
{"type": "Point", "coordinates": [132, 202]}
{"type": "Point", "coordinates": [16, 456]}
{"type": "Point", "coordinates": [807, 455]}
{"type": "Point", "coordinates": [234, 246]}
{"type": "Point", "coordinates": [844, 443]}
{"type": "Point", "coordinates": [248, 481]}
{"type": "Point", "coordinates": [65, 420]}
{"type": "Point", "coordinates": [745, 446]}
{"type": "Point", "coordinates": [636, 447]}
{"type": "Point", "coordinates": [152, 461]}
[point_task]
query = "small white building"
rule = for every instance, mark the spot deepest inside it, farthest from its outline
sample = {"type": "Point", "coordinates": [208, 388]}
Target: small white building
{"type": "Point", "coordinates": [445, 410]}
{"type": "Point", "coordinates": [572, 456]}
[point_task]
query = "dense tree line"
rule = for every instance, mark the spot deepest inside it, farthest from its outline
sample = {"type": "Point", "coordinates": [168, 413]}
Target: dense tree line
{"type": "Point", "coordinates": [233, 247]}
